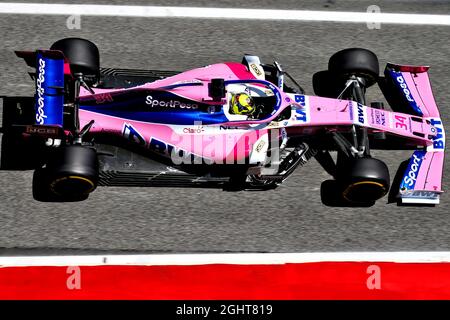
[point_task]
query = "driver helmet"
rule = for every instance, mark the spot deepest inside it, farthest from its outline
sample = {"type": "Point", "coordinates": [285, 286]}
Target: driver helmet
{"type": "Point", "coordinates": [242, 103]}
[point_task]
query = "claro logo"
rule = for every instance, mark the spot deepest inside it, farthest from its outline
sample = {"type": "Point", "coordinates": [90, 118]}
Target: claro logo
{"type": "Point", "coordinates": [40, 91]}
{"type": "Point", "coordinates": [404, 86]}
{"type": "Point", "coordinates": [411, 177]}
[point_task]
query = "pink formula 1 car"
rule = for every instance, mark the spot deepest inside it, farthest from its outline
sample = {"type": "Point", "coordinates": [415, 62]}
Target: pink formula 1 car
{"type": "Point", "coordinates": [88, 126]}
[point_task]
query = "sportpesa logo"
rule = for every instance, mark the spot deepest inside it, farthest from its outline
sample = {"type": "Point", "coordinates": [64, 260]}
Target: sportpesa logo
{"type": "Point", "coordinates": [411, 176]}
{"type": "Point", "coordinates": [169, 104]}
{"type": "Point", "coordinates": [401, 81]}
{"type": "Point", "coordinates": [40, 91]}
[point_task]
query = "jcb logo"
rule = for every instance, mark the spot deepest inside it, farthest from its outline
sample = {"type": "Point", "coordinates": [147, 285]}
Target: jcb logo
{"type": "Point", "coordinates": [256, 69]}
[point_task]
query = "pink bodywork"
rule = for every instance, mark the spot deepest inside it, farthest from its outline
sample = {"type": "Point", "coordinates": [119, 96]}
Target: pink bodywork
{"type": "Point", "coordinates": [316, 113]}
{"type": "Point", "coordinates": [230, 142]}
{"type": "Point", "coordinates": [429, 176]}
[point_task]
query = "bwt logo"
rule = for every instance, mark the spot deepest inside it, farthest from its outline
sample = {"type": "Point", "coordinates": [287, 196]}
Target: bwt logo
{"type": "Point", "coordinates": [178, 155]}
{"type": "Point", "coordinates": [439, 138]}
{"type": "Point", "coordinates": [300, 114]}
{"type": "Point", "coordinates": [404, 86]}
{"type": "Point", "coordinates": [361, 112]}
{"type": "Point", "coordinates": [421, 194]}
{"type": "Point", "coordinates": [411, 177]}
{"type": "Point", "coordinates": [130, 133]}
{"type": "Point", "coordinates": [300, 99]}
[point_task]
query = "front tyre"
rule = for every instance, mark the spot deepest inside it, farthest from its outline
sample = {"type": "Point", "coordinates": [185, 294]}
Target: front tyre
{"type": "Point", "coordinates": [364, 179]}
{"type": "Point", "coordinates": [357, 62]}
{"type": "Point", "coordinates": [331, 194]}
{"type": "Point", "coordinates": [359, 183]}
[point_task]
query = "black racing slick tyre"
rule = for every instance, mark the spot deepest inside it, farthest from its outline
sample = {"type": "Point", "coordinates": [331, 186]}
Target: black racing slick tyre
{"type": "Point", "coordinates": [43, 193]}
{"type": "Point", "coordinates": [70, 175]}
{"type": "Point", "coordinates": [359, 62]}
{"type": "Point", "coordinates": [325, 84]}
{"type": "Point", "coordinates": [331, 196]}
{"type": "Point", "coordinates": [364, 180]}
{"type": "Point", "coordinates": [83, 55]}
{"type": "Point", "coordinates": [359, 183]}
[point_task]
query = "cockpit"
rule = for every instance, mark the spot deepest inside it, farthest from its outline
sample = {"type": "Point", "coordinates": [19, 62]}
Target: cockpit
{"type": "Point", "coordinates": [250, 100]}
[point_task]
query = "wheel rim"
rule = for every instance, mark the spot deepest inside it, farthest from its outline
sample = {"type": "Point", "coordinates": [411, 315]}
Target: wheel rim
{"type": "Point", "coordinates": [72, 185]}
{"type": "Point", "coordinates": [364, 191]}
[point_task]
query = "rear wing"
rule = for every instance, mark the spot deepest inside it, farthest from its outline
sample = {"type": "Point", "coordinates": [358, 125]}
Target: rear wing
{"type": "Point", "coordinates": [409, 91]}
{"type": "Point", "coordinates": [51, 68]}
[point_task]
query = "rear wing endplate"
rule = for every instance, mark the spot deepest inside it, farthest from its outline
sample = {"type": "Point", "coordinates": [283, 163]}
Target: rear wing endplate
{"type": "Point", "coordinates": [51, 69]}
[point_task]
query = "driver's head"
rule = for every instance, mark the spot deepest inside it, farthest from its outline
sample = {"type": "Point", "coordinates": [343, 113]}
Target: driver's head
{"type": "Point", "coordinates": [242, 103]}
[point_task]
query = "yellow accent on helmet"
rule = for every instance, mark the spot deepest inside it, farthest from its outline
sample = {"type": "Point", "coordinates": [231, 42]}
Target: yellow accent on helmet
{"type": "Point", "coordinates": [242, 103]}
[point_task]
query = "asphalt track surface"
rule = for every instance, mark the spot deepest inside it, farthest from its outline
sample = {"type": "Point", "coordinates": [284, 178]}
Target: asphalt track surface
{"type": "Point", "coordinates": [288, 219]}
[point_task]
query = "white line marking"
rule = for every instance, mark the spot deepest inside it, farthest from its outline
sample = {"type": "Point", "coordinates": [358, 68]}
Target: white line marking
{"type": "Point", "coordinates": [222, 13]}
{"type": "Point", "coordinates": [224, 258]}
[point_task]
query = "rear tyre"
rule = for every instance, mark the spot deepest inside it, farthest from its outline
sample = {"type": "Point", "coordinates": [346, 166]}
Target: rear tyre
{"type": "Point", "coordinates": [83, 56]}
{"type": "Point", "coordinates": [43, 193]}
{"type": "Point", "coordinates": [358, 62]}
{"type": "Point", "coordinates": [70, 175]}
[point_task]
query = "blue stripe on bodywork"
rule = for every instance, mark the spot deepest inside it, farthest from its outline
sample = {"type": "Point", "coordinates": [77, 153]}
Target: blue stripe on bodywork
{"type": "Point", "coordinates": [168, 117]}
{"type": "Point", "coordinates": [412, 171]}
